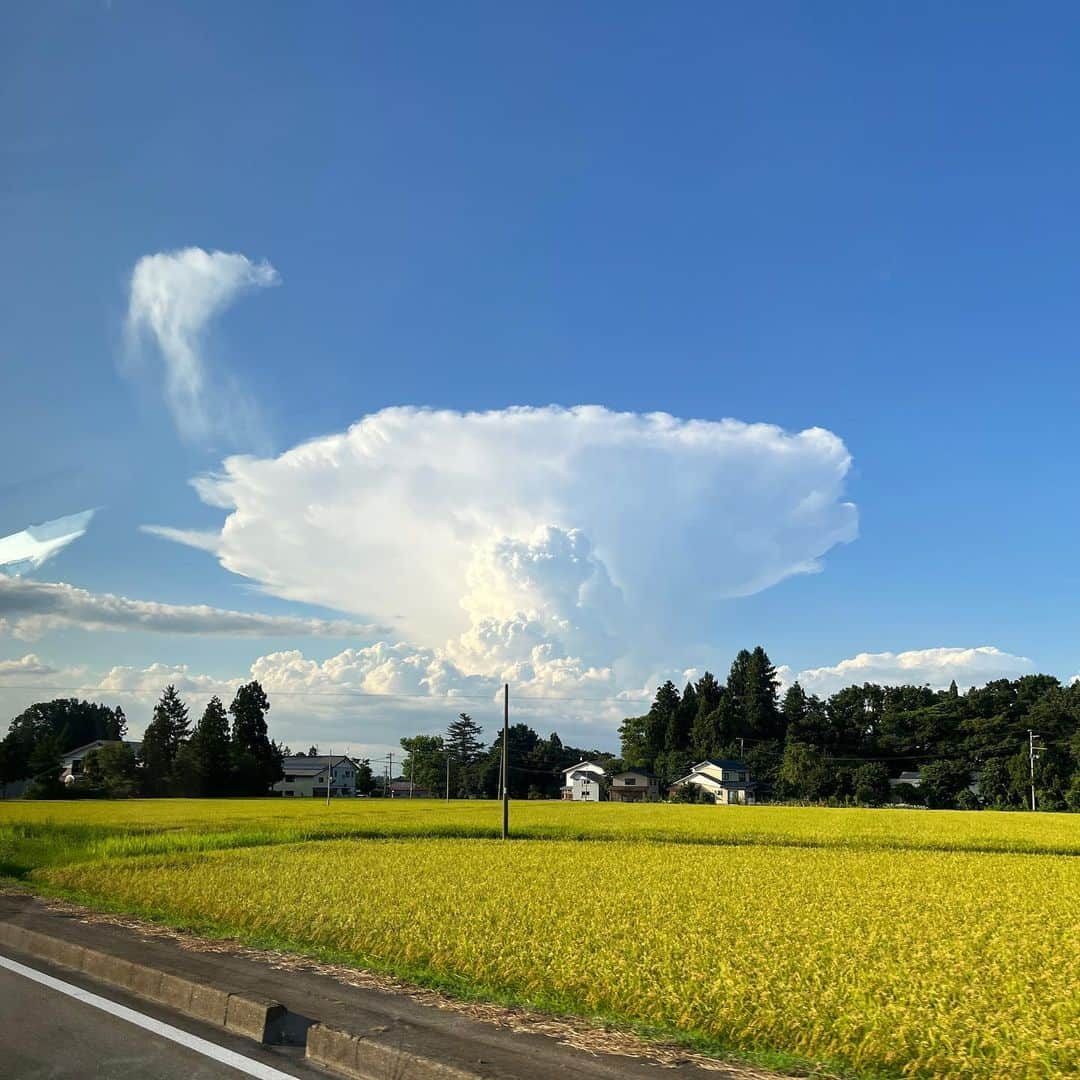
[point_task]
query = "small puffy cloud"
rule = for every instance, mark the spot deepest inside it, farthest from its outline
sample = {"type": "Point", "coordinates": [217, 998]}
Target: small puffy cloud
{"type": "Point", "coordinates": [28, 665]}
{"type": "Point", "coordinates": [30, 608]}
{"type": "Point", "coordinates": [918, 667]}
{"type": "Point", "coordinates": [153, 679]}
{"type": "Point", "coordinates": [174, 296]}
{"type": "Point", "coordinates": [544, 543]}
{"type": "Point", "coordinates": [36, 544]}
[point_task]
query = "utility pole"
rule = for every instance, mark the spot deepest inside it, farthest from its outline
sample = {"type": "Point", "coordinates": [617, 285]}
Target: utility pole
{"type": "Point", "coordinates": [742, 749]}
{"type": "Point", "coordinates": [1034, 746]}
{"type": "Point", "coordinates": [329, 774]}
{"type": "Point", "coordinates": [447, 777]}
{"type": "Point", "coordinates": [412, 773]}
{"type": "Point", "coordinates": [505, 762]}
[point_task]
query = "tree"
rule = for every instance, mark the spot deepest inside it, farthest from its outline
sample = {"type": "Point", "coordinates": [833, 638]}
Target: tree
{"type": "Point", "coordinates": [365, 779]}
{"type": "Point", "coordinates": [425, 762]}
{"type": "Point", "coordinates": [942, 783]}
{"type": "Point", "coordinates": [995, 784]}
{"type": "Point", "coordinates": [752, 685]}
{"type": "Point", "coordinates": [112, 770]}
{"type": "Point", "coordinates": [803, 773]}
{"type": "Point", "coordinates": [210, 751]}
{"type": "Point", "coordinates": [45, 768]}
{"type": "Point", "coordinates": [644, 738]}
{"type": "Point", "coordinates": [72, 722]}
{"type": "Point", "coordinates": [161, 742]}
{"type": "Point", "coordinates": [871, 784]}
{"type": "Point", "coordinates": [465, 749]}
{"type": "Point", "coordinates": [256, 761]}
{"type": "Point", "coordinates": [680, 723]}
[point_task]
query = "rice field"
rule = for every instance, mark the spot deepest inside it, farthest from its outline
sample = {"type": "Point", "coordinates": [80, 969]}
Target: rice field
{"type": "Point", "coordinates": [879, 943]}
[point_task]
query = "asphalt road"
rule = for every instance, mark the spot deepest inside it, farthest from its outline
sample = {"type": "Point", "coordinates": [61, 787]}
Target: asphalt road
{"type": "Point", "coordinates": [47, 1035]}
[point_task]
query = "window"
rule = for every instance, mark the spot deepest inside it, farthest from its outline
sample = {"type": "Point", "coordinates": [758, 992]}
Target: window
{"type": "Point", "coordinates": [630, 780]}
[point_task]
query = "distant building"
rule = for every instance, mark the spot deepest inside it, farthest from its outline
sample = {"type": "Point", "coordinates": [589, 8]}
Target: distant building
{"type": "Point", "coordinates": [728, 781]}
{"type": "Point", "coordinates": [73, 762]}
{"type": "Point", "coordinates": [634, 785]}
{"type": "Point", "coordinates": [912, 777]}
{"type": "Point", "coordinates": [405, 789]}
{"type": "Point", "coordinates": [306, 777]}
{"type": "Point", "coordinates": [582, 782]}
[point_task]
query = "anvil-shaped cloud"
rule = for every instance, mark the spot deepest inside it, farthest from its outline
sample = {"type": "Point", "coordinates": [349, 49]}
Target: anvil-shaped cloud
{"type": "Point", "coordinates": [534, 543]}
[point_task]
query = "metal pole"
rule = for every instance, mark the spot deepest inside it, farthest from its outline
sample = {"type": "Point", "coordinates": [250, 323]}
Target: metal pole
{"type": "Point", "coordinates": [412, 772]}
{"type": "Point", "coordinates": [447, 777]}
{"type": "Point", "coordinates": [329, 774]}
{"type": "Point", "coordinates": [505, 762]}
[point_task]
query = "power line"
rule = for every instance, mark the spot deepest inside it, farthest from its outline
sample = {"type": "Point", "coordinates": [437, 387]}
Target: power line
{"type": "Point", "coordinates": [344, 692]}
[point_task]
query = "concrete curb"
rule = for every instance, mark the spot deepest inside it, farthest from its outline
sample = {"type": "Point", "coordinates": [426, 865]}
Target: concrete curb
{"type": "Point", "coordinates": [362, 1058]}
{"type": "Point", "coordinates": [253, 1017]}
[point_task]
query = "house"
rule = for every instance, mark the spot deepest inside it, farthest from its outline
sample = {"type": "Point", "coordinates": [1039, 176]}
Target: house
{"type": "Point", "coordinates": [912, 777]}
{"type": "Point", "coordinates": [406, 789]}
{"type": "Point", "coordinates": [73, 762]}
{"type": "Point", "coordinates": [305, 777]}
{"type": "Point", "coordinates": [581, 782]}
{"type": "Point", "coordinates": [634, 785]}
{"type": "Point", "coordinates": [727, 780]}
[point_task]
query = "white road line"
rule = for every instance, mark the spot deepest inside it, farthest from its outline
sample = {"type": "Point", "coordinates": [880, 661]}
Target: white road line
{"type": "Point", "coordinates": [246, 1065]}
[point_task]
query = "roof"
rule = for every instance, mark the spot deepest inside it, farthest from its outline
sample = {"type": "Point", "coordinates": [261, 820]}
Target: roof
{"type": "Point", "coordinates": [702, 778]}
{"type": "Point", "coordinates": [910, 775]}
{"type": "Point", "coordinates": [725, 763]}
{"type": "Point", "coordinates": [635, 772]}
{"type": "Point", "coordinates": [319, 762]}
{"type": "Point", "coordinates": [580, 764]}
{"type": "Point", "coordinates": [80, 751]}
{"type": "Point", "coordinates": [299, 766]}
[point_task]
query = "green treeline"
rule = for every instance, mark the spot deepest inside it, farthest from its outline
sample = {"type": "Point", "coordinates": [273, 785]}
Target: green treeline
{"type": "Point", "coordinates": [844, 748]}
{"type": "Point", "coordinates": [211, 757]}
{"type": "Point", "coordinates": [536, 763]}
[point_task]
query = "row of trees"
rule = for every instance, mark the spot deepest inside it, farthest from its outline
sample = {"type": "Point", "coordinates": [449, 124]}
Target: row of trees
{"type": "Point", "coordinates": [845, 747]}
{"type": "Point", "coordinates": [536, 763]}
{"type": "Point", "coordinates": [212, 758]}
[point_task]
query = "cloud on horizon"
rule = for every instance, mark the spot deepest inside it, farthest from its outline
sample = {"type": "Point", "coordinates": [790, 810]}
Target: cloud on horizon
{"type": "Point", "coordinates": [33, 546]}
{"type": "Point", "coordinates": [173, 298]}
{"type": "Point", "coordinates": [28, 609]}
{"type": "Point", "coordinates": [553, 547]}
{"type": "Point", "coordinates": [918, 667]}
{"type": "Point", "coordinates": [370, 697]}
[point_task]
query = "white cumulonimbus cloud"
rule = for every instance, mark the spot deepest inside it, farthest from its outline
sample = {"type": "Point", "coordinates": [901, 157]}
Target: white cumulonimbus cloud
{"type": "Point", "coordinates": [31, 547]}
{"type": "Point", "coordinates": [916, 667]}
{"type": "Point", "coordinates": [550, 545]}
{"type": "Point", "coordinates": [174, 296]}
{"type": "Point", "coordinates": [29, 609]}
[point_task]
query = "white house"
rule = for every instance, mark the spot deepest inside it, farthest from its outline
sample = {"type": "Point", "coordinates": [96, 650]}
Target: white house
{"type": "Point", "coordinates": [581, 782]}
{"type": "Point", "coordinates": [727, 781]}
{"type": "Point", "coordinates": [72, 763]}
{"type": "Point", "coordinates": [305, 777]}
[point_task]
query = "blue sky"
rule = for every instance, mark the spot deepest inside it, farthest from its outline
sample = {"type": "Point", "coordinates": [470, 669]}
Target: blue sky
{"type": "Point", "coordinates": [843, 216]}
